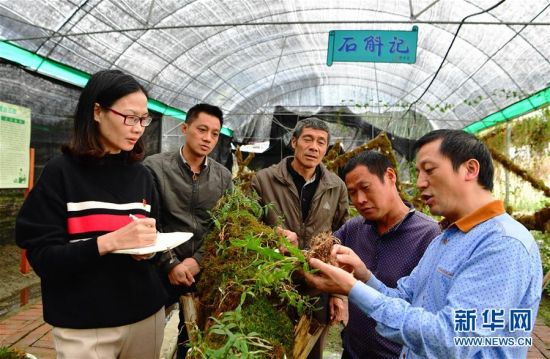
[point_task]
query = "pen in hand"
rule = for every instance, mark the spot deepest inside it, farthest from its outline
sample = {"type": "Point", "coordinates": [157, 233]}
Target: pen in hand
{"type": "Point", "coordinates": [135, 218]}
{"type": "Point", "coordinates": [145, 256]}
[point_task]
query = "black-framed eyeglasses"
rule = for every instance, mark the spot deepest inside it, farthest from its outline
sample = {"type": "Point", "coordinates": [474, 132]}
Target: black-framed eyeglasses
{"type": "Point", "coordinates": [131, 120]}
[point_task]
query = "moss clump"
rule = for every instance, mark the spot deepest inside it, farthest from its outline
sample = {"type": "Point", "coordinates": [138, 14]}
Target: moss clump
{"type": "Point", "coordinates": [248, 303]}
{"type": "Point", "coordinates": [270, 322]}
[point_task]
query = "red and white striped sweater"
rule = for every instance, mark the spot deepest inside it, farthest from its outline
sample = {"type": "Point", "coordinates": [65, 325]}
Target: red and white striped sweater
{"type": "Point", "coordinates": [71, 205]}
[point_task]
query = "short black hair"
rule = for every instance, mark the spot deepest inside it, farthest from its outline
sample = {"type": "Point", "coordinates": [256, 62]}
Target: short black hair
{"type": "Point", "coordinates": [211, 110]}
{"type": "Point", "coordinates": [311, 122]}
{"type": "Point", "coordinates": [104, 88]}
{"type": "Point", "coordinates": [376, 163]}
{"type": "Point", "coordinates": [460, 146]}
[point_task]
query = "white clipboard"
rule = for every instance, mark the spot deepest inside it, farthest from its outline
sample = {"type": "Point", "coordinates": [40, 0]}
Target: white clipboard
{"type": "Point", "coordinates": [165, 241]}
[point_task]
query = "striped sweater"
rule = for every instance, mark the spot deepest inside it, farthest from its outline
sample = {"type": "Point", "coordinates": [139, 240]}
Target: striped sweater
{"type": "Point", "coordinates": [71, 205]}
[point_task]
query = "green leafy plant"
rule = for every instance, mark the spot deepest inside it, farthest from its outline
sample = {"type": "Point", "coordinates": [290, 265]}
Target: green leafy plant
{"type": "Point", "coordinates": [229, 330]}
{"type": "Point", "coordinates": [543, 240]}
{"type": "Point", "coordinates": [11, 353]}
{"type": "Point", "coordinates": [248, 296]}
{"type": "Point", "coordinates": [532, 131]}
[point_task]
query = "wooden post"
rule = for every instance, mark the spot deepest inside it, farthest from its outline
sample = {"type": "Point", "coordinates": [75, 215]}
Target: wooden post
{"type": "Point", "coordinates": [24, 266]}
{"type": "Point", "coordinates": [24, 296]}
{"type": "Point", "coordinates": [187, 303]}
{"type": "Point", "coordinates": [306, 333]}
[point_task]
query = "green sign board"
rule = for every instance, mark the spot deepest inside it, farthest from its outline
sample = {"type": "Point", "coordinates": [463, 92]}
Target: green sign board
{"type": "Point", "coordinates": [372, 46]}
{"type": "Point", "coordinates": [15, 137]}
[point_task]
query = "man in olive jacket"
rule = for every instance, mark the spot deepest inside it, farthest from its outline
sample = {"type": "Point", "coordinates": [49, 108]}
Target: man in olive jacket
{"type": "Point", "coordinates": [309, 198]}
{"type": "Point", "coordinates": [189, 184]}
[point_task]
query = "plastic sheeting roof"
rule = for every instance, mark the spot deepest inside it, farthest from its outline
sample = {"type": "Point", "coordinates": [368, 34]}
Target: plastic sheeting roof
{"type": "Point", "coordinates": [250, 56]}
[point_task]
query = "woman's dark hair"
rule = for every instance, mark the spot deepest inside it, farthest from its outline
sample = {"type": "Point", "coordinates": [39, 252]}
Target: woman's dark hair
{"type": "Point", "coordinates": [104, 88]}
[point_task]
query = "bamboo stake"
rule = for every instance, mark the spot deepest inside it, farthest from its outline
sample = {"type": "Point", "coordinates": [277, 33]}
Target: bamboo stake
{"type": "Point", "coordinates": [187, 302]}
{"type": "Point", "coordinates": [304, 339]}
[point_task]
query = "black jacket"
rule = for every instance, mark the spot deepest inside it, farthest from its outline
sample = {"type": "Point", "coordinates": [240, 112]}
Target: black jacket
{"type": "Point", "coordinates": [185, 202]}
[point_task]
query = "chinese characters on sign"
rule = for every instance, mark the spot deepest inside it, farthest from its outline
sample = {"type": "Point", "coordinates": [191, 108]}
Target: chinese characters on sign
{"type": "Point", "coordinates": [518, 322]}
{"type": "Point", "coordinates": [372, 46]}
{"type": "Point", "coordinates": [15, 136]}
{"type": "Point", "coordinates": [465, 320]}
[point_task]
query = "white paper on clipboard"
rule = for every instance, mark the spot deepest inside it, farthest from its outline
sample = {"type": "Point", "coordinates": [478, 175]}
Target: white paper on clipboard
{"type": "Point", "coordinates": [165, 241]}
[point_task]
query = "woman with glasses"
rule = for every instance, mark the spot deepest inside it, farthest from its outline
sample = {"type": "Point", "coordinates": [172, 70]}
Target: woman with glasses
{"type": "Point", "coordinates": [90, 201]}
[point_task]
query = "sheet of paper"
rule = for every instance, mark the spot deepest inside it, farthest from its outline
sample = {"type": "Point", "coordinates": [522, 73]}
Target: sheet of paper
{"type": "Point", "coordinates": [165, 241]}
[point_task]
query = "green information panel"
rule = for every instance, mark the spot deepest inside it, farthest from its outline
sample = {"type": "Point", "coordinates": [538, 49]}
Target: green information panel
{"type": "Point", "coordinates": [15, 138]}
{"type": "Point", "coordinates": [372, 46]}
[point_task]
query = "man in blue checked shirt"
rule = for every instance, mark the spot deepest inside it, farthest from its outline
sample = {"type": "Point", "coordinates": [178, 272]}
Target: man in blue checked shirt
{"type": "Point", "coordinates": [476, 291]}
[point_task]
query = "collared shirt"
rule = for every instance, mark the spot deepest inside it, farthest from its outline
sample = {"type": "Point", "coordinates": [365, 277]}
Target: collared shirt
{"type": "Point", "coordinates": [389, 256]}
{"type": "Point", "coordinates": [306, 189]}
{"type": "Point", "coordinates": [204, 163]}
{"type": "Point", "coordinates": [485, 261]}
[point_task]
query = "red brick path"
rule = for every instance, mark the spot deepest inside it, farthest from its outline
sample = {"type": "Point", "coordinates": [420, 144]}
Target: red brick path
{"type": "Point", "coordinates": [27, 331]}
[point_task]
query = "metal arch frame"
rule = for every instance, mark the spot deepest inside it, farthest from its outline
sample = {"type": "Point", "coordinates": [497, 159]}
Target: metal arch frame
{"type": "Point", "coordinates": [317, 86]}
{"type": "Point", "coordinates": [317, 64]}
{"type": "Point", "coordinates": [297, 89]}
{"type": "Point", "coordinates": [282, 13]}
{"type": "Point", "coordinates": [345, 84]}
{"type": "Point", "coordinates": [511, 28]}
{"type": "Point", "coordinates": [193, 77]}
{"type": "Point", "coordinates": [279, 94]}
{"type": "Point", "coordinates": [231, 27]}
{"type": "Point", "coordinates": [497, 63]}
{"type": "Point", "coordinates": [490, 58]}
{"type": "Point", "coordinates": [424, 113]}
{"type": "Point", "coordinates": [371, 10]}
{"type": "Point", "coordinates": [181, 90]}
{"type": "Point", "coordinates": [67, 19]}
{"type": "Point", "coordinates": [317, 50]}
{"type": "Point", "coordinates": [63, 68]}
{"type": "Point", "coordinates": [419, 84]}
{"type": "Point", "coordinates": [138, 40]}
{"type": "Point", "coordinates": [517, 33]}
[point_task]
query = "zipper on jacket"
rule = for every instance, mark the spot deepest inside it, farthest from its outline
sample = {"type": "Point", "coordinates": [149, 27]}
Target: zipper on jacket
{"type": "Point", "coordinates": [194, 190]}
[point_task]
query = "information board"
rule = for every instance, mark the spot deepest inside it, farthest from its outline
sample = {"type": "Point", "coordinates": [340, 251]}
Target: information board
{"type": "Point", "coordinates": [15, 138]}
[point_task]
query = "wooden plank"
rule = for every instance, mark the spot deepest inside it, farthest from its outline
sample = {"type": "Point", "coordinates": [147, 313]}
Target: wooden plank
{"type": "Point", "coordinates": [306, 333]}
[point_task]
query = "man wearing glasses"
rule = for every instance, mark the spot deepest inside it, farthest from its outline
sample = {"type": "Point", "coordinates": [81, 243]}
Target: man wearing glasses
{"type": "Point", "coordinates": [189, 184]}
